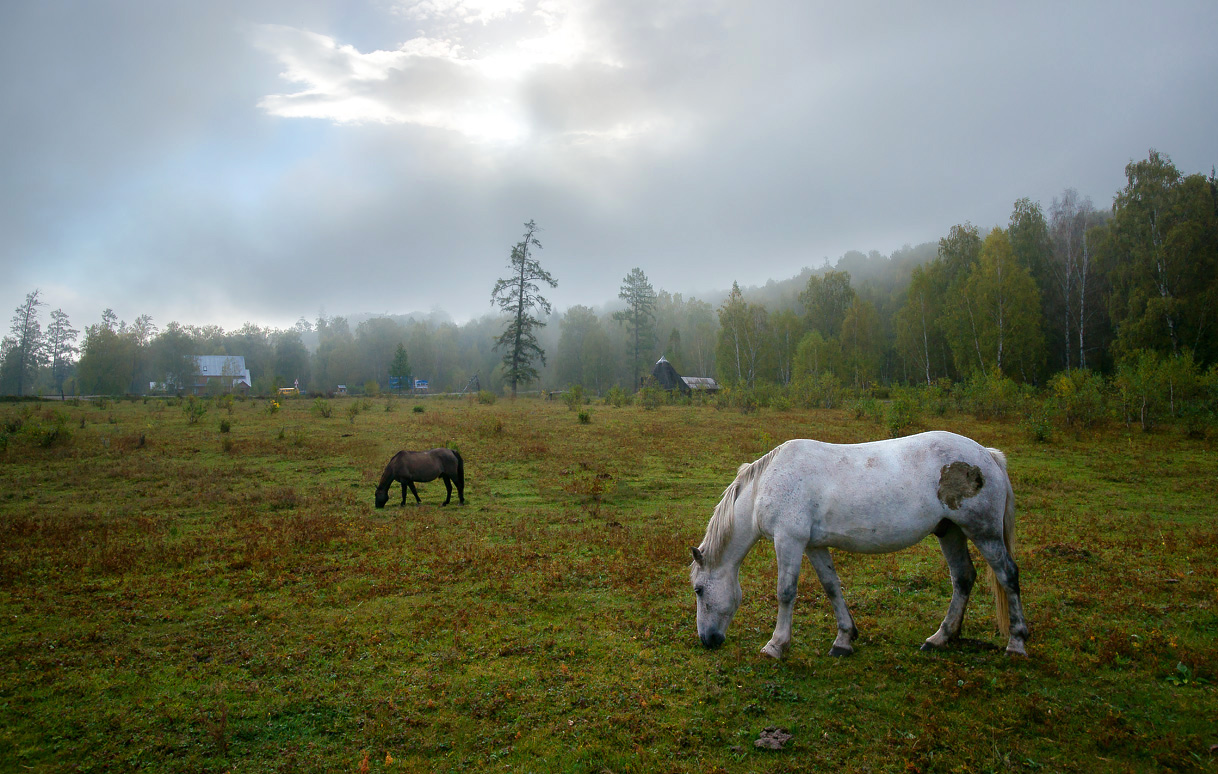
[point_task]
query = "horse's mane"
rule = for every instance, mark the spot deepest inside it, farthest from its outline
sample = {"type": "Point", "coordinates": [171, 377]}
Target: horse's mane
{"type": "Point", "coordinates": [386, 476]}
{"type": "Point", "coordinates": [719, 530]}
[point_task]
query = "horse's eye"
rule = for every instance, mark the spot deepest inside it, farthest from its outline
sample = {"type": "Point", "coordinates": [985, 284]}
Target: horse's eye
{"type": "Point", "coordinates": [698, 590]}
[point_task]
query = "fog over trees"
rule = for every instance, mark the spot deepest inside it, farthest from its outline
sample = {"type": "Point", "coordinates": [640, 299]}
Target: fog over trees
{"type": "Point", "coordinates": [1060, 287]}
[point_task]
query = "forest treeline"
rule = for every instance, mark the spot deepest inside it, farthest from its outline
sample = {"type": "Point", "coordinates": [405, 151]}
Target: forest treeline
{"type": "Point", "coordinates": [1054, 290]}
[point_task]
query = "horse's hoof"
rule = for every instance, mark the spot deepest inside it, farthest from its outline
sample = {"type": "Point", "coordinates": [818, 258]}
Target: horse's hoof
{"type": "Point", "coordinates": [772, 651]}
{"type": "Point", "coordinates": [1017, 651]}
{"type": "Point", "coordinates": [928, 647]}
{"type": "Point", "coordinates": [837, 651]}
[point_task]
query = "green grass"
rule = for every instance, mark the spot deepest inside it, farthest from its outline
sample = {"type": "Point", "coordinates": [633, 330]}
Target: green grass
{"type": "Point", "coordinates": [176, 606]}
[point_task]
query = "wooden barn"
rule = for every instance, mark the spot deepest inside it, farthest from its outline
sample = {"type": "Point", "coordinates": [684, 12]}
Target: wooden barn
{"type": "Point", "coordinates": [665, 376]}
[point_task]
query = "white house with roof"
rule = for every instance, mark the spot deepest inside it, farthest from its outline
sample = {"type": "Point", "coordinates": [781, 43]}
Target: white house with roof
{"type": "Point", "coordinates": [222, 373]}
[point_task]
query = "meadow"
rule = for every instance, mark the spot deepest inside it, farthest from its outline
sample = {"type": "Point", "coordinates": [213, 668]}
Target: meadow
{"type": "Point", "coordinates": [213, 591]}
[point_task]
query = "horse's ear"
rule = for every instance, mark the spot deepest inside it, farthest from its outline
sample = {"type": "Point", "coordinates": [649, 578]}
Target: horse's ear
{"type": "Point", "coordinates": [697, 555]}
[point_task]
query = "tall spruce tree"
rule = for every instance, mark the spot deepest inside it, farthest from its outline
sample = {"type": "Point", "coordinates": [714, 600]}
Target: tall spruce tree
{"type": "Point", "coordinates": [639, 316]}
{"type": "Point", "coordinates": [517, 296]}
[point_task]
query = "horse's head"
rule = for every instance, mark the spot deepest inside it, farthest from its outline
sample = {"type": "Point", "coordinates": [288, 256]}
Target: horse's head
{"type": "Point", "coordinates": [717, 590]}
{"type": "Point", "coordinates": [382, 497]}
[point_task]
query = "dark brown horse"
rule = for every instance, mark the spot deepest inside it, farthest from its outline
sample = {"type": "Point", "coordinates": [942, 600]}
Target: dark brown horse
{"type": "Point", "coordinates": [411, 466]}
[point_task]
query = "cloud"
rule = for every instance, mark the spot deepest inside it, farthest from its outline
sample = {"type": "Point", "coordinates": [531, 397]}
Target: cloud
{"type": "Point", "coordinates": [543, 79]}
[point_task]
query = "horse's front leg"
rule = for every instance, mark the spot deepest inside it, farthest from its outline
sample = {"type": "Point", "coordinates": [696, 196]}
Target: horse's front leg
{"type": "Point", "coordinates": [822, 562]}
{"type": "Point", "coordinates": [789, 554]}
{"type": "Point", "coordinates": [955, 550]}
{"type": "Point", "coordinates": [413, 491]}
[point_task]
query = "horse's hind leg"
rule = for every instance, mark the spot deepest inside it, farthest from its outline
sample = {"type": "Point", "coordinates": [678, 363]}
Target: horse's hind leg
{"type": "Point", "coordinates": [822, 562]}
{"type": "Point", "coordinates": [955, 550]}
{"type": "Point", "coordinates": [448, 484]}
{"type": "Point", "coordinates": [1006, 573]}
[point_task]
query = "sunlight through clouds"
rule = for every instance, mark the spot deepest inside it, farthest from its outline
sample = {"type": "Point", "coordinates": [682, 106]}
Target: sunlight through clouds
{"type": "Point", "coordinates": [515, 88]}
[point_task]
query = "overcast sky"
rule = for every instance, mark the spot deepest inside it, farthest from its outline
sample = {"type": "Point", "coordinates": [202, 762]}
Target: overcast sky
{"type": "Point", "coordinates": [231, 161]}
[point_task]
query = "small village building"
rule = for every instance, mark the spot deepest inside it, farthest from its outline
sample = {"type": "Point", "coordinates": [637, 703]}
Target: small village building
{"type": "Point", "coordinates": [701, 383]}
{"type": "Point", "coordinates": [220, 373]}
{"type": "Point", "coordinates": [665, 376]}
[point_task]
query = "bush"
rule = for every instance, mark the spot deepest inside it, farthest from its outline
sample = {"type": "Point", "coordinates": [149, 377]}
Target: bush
{"type": "Point", "coordinates": [867, 407]}
{"type": "Point", "coordinates": [938, 397]}
{"type": "Point", "coordinates": [903, 413]}
{"type": "Point", "coordinates": [225, 425]}
{"type": "Point", "coordinates": [372, 389]}
{"type": "Point", "coordinates": [486, 397]}
{"type": "Point", "coordinates": [585, 418]}
{"type": "Point", "coordinates": [574, 397]}
{"type": "Point", "coordinates": [194, 409]}
{"type": "Point", "coordinates": [353, 411]}
{"type": "Point", "coordinates": [418, 409]}
{"type": "Point", "coordinates": [48, 430]}
{"type": "Point", "coordinates": [1037, 419]}
{"type": "Point", "coordinates": [617, 397]}
{"type": "Point", "coordinates": [823, 391]}
{"type": "Point", "coordinates": [1079, 395]}
{"type": "Point", "coordinates": [651, 398]}
{"type": "Point", "coordinates": [322, 408]}
{"type": "Point", "coordinates": [991, 395]}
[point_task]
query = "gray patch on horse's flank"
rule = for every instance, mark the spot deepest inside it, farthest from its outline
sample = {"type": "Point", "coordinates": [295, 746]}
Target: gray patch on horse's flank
{"type": "Point", "coordinates": [959, 481]}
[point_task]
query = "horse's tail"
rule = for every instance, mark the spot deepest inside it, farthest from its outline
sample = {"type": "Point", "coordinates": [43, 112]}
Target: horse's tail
{"type": "Point", "coordinates": [1001, 608]}
{"type": "Point", "coordinates": [460, 471]}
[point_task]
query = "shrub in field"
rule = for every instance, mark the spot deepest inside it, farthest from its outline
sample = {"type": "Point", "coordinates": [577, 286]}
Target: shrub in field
{"type": "Point", "coordinates": [372, 389]}
{"type": "Point", "coordinates": [1139, 388]}
{"type": "Point", "coordinates": [903, 413]}
{"type": "Point", "coordinates": [616, 397]}
{"type": "Point", "coordinates": [937, 398]}
{"type": "Point", "coordinates": [322, 408]}
{"type": "Point", "coordinates": [867, 407]}
{"type": "Point", "coordinates": [417, 409]}
{"type": "Point", "coordinates": [991, 395]}
{"type": "Point", "coordinates": [823, 391]}
{"type": "Point", "coordinates": [225, 425]}
{"type": "Point", "coordinates": [651, 398]}
{"type": "Point", "coordinates": [486, 397]}
{"type": "Point", "coordinates": [194, 409]}
{"type": "Point", "coordinates": [353, 411]}
{"type": "Point", "coordinates": [574, 397]}
{"type": "Point", "coordinates": [1079, 396]}
{"type": "Point", "coordinates": [48, 430]}
{"type": "Point", "coordinates": [389, 404]}
{"type": "Point", "coordinates": [1037, 421]}
{"type": "Point", "coordinates": [585, 418]}
{"type": "Point", "coordinates": [225, 402]}
{"type": "Point", "coordinates": [226, 444]}
{"type": "Point", "coordinates": [272, 407]}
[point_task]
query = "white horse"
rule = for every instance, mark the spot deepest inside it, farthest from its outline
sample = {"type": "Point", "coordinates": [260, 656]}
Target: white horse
{"type": "Point", "coordinates": [871, 498]}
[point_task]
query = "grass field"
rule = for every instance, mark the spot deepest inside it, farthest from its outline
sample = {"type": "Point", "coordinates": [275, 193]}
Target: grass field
{"type": "Point", "coordinates": [178, 598]}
